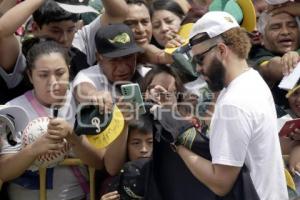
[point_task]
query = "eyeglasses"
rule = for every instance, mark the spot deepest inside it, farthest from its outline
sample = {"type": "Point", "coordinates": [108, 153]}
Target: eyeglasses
{"type": "Point", "coordinates": [199, 58]}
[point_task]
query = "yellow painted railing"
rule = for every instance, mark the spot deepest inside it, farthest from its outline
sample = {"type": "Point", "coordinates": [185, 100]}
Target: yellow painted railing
{"type": "Point", "coordinates": [66, 162]}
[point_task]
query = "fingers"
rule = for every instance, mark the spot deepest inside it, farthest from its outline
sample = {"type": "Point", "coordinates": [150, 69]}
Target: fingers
{"type": "Point", "coordinates": [295, 134]}
{"type": "Point", "coordinates": [288, 7]}
{"type": "Point", "coordinates": [53, 136]}
{"type": "Point", "coordinates": [46, 143]}
{"type": "Point", "coordinates": [56, 121]}
{"type": "Point", "coordinates": [297, 168]}
{"type": "Point", "coordinates": [173, 43]}
{"type": "Point", "coordinates": [289, 62]}
{"type": "Point", "coordinates": [111, 196]}
{"type": "Point", "coordinates": [58, 124]}
{"type": "Point", "coordinates": [174, 40]}
{"type": "Point", "coordinates": [55, 147]}
{"type": "Point", "coordinates": [108, 105]}
{"type": "Point", "coordinates": [127, 110]}
{"type": "Point", "coordinates": [59, 128]}
{"type": "Point", "coordinates": [159, 95]}
{"type": "Point", "coordinates": [103, 100]}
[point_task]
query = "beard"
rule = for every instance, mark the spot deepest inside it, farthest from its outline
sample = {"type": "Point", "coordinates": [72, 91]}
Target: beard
{"type": "Point", "coordinates": [216, 75]}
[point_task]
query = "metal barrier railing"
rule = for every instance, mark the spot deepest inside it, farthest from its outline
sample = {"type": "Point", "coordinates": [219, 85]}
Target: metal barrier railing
{"type": "Point", "coordinates": [66, 162]}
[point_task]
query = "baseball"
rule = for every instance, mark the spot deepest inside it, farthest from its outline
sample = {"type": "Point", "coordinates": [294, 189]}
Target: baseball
{"type": "Point", "coordinates": [35, 129]}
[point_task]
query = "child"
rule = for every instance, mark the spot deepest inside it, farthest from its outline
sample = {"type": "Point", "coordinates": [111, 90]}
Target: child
{"type": "Point", "coordinates": [139, 146]}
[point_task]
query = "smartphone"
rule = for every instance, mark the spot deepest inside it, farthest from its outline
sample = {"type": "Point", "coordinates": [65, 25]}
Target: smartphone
{"type": "Point", "coordinates": [288, 127]}
{"type": "Point", "coordinates": [132, 93]}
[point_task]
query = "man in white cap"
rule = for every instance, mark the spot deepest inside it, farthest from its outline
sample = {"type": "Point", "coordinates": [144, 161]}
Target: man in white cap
{"type": "Point", "coordinates": [242, 130]}
{"type": "Point", "coordinates": [12, 120]}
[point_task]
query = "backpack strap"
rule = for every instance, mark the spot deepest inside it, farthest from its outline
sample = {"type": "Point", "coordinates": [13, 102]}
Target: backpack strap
{"type": "Point", "coordinates": [36, 106]}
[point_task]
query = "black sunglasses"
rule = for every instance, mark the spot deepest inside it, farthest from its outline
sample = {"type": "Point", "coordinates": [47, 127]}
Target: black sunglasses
{"type": "Point", "coordinates": [199, 58]}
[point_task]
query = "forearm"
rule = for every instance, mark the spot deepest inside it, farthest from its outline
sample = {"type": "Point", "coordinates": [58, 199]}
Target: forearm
{"type": "Point", "coordinates": [115, 156]}
{"type": "Point", "coordinates": [155, 55]}
{"type": "Point", "coordinates": [88, 154]}
{"type": "Point", "coordinates": [206, 172]}
{"type": "Point", "coordinates": [115, 8]}
{"type": "Point", "coordinates": [184, 4]}
{"type": "Point", "coordinates": [272, 70]}
{"type": "Point", "coordinates": [6, 5]}
{"type": "Point", "coordinates": [16, 16]}
{"type": "Point", "coordinates": [115, 11]}
{"type": "Point", "coordinates": [14, 165]}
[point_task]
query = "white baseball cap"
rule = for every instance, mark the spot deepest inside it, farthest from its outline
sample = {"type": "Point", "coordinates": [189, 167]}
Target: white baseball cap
{"type": "Point", "coordinates": [16, 117]}
{"type": "Point", "coordinates": [214, 23]}
{"type": "Point", "coordinates": [274, 2]}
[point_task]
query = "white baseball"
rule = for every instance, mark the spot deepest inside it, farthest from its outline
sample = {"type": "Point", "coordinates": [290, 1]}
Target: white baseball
{"type": "Point", "coordinates": [35, 129]}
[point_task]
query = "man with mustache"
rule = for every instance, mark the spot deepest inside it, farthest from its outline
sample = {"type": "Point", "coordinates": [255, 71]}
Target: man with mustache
{"type": "Point", "coordinates": [242, 130]}
{"type": "Point", "coordinates": [278, 54]}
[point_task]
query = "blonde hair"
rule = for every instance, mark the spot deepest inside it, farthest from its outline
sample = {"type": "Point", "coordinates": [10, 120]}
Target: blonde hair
{"type": "Point", "coordinates": [238, 41]}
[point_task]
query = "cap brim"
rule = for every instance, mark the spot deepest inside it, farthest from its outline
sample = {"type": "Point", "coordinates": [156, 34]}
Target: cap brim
{"type": "Point", "coordinates": [184, 32]}
{"type": "Point", "coordinates": [290, 92]}
{"type": "Point", "coordinates": [111, 132]}
{"type": "Point", "coordinates": [124, 52]}
{"type": "Point", "coordinates": [20, 116]}
{"type": "Point", "coordinates": [249, 15]}
{"type": "Point", "coordinates": [77, 8]}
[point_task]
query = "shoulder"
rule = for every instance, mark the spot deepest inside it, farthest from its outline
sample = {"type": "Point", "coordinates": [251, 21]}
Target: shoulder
{"type": "Point", "coordinates": [88, 72]}
{"type": "Point", "coordinates": [18, 101]}
{"type": "Point", "coordinates": [90, 75]}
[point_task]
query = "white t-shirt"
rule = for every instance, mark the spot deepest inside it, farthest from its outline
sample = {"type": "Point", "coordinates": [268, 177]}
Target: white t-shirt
{"type": "Point", "coordinates": [95, 76]}
{"type": "Point", "coordinates": [84, 40]}
{"type": "Point", "coordinates": [14, 78]}
{"type": "Point", "coordinates": [244, 130]}
{"type": "Point", "coordinates": [65, 184]}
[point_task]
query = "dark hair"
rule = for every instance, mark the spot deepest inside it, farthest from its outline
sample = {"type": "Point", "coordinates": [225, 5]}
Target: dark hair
{"type": "Point", "coordinates": [50, 11]}
{"type": "Point", "coordinates": [35, 47]}
{"type": "Point", "coordinates": [158, 70]}
{"type": "Point", "coordinates": [169, 5]}
{"type": "Point", "coordinates": [142, 124]}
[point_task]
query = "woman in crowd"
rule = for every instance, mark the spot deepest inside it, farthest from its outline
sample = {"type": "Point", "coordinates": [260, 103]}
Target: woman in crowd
{"type": "Point", "coordinates": [166, 18]}
{"type": "Point", "coordinates": [48, 71]}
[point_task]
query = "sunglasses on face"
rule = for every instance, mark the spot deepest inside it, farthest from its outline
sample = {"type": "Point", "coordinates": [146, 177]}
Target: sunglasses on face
{"type": "Point", "coordinates": [199, 58]}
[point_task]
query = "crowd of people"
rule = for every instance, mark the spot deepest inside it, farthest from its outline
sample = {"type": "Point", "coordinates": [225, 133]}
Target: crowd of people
{"type": "Point", "coordinates": [208, 71]}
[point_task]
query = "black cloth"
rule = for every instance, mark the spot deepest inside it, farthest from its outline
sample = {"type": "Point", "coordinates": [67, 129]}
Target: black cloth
{"type": "Point", "coordinates": [279, 96]}
{"type": "Point", "coordinates": [78, 61]}
{"type": "Point", "coordinates": [173, 180]}
{"type": "Point", "coordinates": [7, 94]}
{"type": "Point", "coordinates": [259, 54]}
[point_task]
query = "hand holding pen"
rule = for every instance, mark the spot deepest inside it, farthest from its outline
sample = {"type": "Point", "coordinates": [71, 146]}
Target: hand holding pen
{"type": "Point", "coordinates": [59, 127]}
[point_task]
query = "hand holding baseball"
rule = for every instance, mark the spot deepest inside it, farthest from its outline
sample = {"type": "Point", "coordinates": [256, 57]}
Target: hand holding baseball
{"type": "Point", "coordinates": [59, 128]}
{"type": "Point", "coordinates": [46, 144]}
